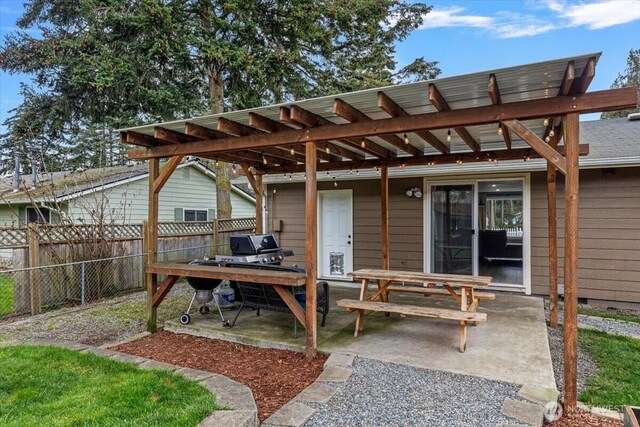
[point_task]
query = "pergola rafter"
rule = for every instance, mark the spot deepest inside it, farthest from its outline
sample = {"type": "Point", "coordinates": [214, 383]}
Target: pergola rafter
{"type": "Point", "coordinates": [554, 90]}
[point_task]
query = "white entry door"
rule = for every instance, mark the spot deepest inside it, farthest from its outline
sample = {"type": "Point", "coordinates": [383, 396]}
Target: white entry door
{"type": "Point", "coordinates": [336, 234]}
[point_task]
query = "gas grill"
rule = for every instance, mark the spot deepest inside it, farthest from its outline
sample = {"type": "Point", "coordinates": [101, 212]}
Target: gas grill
{"type": "Point", "coordinates": [246, 249]}
{"type": "Point", "coordinates": [254, 248]}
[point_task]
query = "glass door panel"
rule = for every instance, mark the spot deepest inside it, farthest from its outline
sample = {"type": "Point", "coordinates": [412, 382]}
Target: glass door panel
{"type": "Point", "coordinates": [452, 229]}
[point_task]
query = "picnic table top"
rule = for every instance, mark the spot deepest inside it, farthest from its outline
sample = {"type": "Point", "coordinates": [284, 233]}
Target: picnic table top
{"type": "Point", "coordinates": [425, 278]}
{"type": "Point", "coordinates": [282, 278]}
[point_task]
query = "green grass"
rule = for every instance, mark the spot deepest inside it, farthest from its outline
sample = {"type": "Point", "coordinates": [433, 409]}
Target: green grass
{"type": "Point", "coordinates": [607, 314]}
{"type": "Point", "coordinates": [59, 387]}
{"type": "Point", "coordinates": [616, 382]}
{"type": "Point", "coordinates": [6, 294]}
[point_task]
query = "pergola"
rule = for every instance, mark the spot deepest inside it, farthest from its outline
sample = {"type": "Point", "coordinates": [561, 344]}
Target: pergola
{"type": "Point", "coordinates": [511, 114]}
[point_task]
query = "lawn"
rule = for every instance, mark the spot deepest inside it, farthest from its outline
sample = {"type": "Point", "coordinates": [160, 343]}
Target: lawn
{"type": "Point", "coordinates": [616, 382]}
{"type": "Point", "coordinates": [59, 387]}
{"type": "Point", "coordinates": [6, 294]}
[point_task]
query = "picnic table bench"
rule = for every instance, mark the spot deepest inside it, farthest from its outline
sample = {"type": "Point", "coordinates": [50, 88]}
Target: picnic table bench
{"type": "Point", "coordinates": [460, 287]}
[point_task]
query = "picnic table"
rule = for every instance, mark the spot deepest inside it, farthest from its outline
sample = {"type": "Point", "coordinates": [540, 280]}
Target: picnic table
{"type": "Point", "coordinates": [460, 287]}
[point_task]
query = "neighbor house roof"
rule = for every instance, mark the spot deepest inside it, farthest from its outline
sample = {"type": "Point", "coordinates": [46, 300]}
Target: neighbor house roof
{"type": "Point", "coordinates": [65, 185]}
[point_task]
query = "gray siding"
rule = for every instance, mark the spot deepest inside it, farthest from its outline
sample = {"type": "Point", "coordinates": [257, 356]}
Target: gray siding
{"type": "Point", "coordinates": [609, 234]}
{"type": "Point", "coordinates": [405, 221]}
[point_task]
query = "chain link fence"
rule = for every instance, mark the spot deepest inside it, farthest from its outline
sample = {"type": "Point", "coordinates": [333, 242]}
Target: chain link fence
{"type": "Point", "coordinates": [44, 288]}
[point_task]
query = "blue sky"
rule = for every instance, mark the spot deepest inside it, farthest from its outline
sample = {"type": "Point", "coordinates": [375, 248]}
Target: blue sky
{"type": "Point", "coordinates": [470, 36]}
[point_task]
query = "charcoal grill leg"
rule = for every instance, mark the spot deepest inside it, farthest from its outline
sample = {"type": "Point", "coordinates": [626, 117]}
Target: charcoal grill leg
{"type": "Point", "coordinates": [295, 328]}
{"type": "Point", "coordinates": [233, 322]}
{"type": "Point", "coordinates": [191, 303]}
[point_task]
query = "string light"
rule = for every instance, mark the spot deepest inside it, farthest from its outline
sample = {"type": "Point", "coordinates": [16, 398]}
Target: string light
{"type": "Point", "coordinates": [217, 163]}
{"type": "Point", "coordinates": [350, 171]}
{"type": "Point", "coordinates": [274, 190]}
{"type": "Point", "coordinates": [335, 183]}
{"type": "Point", "coordinates": [327, 173]}
{"type": "Point", "coordinates": [406, 139]}
{"type": "Point", "coordinates": [290, 176]}
{"type": "Point", "coordinates": [459, 160]}
{"type": "Point", "coordinates": [357, 172]}
{"type": "Point", "coordinates": [264, 160]}
{"type": "Point", "coordinates": [293, 152]}
{"type": "Point", "coordinates": [402, 165]}
{"type": "Point", "coordinates": [547, 139]}
{"type": "Point", "coordinates": [545, 122]}
{"type": "Point", "coordinates": [430, 161]}
{"type": "Point", "coordinates": [233, 169]}
{"type": "Point", "coordinates": [305, 176]}
{"type": "Point", "coordinates": [499, 128]}
{"type": "Point", "coordinates": [363, 143]}
{"type": "Point", "coordinates": [327, 149]}
{"type": "Point", "coordinates": [449, 135]}
{"type": "Point", "coordinates": [551, 133]}
{"type": "Point", "coordinates": [526, 157]}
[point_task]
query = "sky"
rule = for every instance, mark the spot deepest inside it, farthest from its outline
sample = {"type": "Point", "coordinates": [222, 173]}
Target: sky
{"type": "Point", "coordinates": [472, 36]}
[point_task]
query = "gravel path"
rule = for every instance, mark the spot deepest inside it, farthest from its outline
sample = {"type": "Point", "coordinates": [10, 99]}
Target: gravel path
{"type": "Point", "coordinates": [586, 366]}
{"type": "Point", "coordinates": [386, 394]}
{"type": "Point", "coordinates": [610, 326]}
{"type": "Point", "coordinates": [99, 323]}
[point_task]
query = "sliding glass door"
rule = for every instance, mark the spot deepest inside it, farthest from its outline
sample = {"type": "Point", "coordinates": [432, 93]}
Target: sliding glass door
{"type": "Point", "coordinates": [452, 228]}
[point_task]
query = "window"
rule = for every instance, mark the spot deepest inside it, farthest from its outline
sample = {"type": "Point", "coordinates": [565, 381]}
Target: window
{"type": "Point", "coordinates": [195, 215]}
{"type": "Point", "coordinates": [39, 216]}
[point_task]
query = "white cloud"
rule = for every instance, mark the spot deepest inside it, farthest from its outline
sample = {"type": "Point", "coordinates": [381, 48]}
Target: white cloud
{"type": "Point", "coordinates": [591, 14]}
{"type": "Point", "coordinates": [599, 14]}
{"type": "Point", "coordinates": [453, 17]}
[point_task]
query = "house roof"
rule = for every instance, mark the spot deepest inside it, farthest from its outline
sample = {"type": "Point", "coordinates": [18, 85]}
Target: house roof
{"type": "Point", "coordinates": [612, 143]}
{"type": "Point", "coordinates": [468, 118]}
{"type": "Point", "coordinates": [66, 185]}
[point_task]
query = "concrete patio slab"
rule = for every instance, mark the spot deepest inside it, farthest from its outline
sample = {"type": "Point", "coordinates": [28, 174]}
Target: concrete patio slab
{"type": "Point", "coordinates": [511, 346]}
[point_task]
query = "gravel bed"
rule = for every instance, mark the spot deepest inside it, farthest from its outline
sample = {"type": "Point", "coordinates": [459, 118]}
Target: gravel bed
{"type": "Point", "coordinates": [386, 394]}
{"type": "Point", "coordinates": [610, 326]}
{"type": "Point", "coordinates": [586, 365]}
{"type": "Point", "coordinates": [98, 323]}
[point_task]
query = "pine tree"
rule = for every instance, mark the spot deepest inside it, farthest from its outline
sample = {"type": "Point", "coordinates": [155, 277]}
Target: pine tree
{"type": "Point", "coordinates": [629, 77]}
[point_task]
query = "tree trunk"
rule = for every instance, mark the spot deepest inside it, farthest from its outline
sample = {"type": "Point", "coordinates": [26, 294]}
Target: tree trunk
{"type": "Point", "coordinates": [222, 170]}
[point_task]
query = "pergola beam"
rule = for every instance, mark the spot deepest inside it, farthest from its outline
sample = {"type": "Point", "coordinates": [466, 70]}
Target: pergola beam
{"type": "Point", "coordinates": [441, 104]}
{"type": "Point", "coordinates": [494, 94]}
{"type": "Point", "coordinates": [353, 115]}
{"type": "Point", "coordinates": [606, 100]}
{"type": "Point", "coordinates": [166, 171]}
{"type": "Point", "coordinates": [268, 125]}
{"type": "Point", "coordinates": [309, 119]}
{"type": "Point", "coordinates": [438, 159]}
{"type": "Point", "coordinates": [390, 107]}
{"type": "Point", "coordinates": [537, 144]}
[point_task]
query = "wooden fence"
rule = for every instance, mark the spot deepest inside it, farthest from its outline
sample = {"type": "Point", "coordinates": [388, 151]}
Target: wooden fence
{"type": "Point", "coordinates": [57, 265]}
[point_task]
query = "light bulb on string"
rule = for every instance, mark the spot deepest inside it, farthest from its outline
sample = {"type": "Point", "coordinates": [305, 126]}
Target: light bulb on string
{"type": "Point", "coordinates": [363, 143]}
{"type": "Point", "coordinates": [406, 139]}
{"type": "Point", "coordinates": [335, 183]}
{"type": "Point", "coordinates": [545, 122]}
{"type": "Point", "coordinates": [551, 133]}
{"type": "Point", "coordinates": [449, 135]}
{"type": "Point", "coordinates": [499, 128]}
{"type": "Point", "coordinates": [264, 160]}
{"type": "Point", "coordinates": [233, 169]}
{"type": "Point", "coordinates": [293, 152]}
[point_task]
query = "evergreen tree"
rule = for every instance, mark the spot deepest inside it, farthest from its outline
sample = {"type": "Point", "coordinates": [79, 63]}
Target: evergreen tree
{"type": "Point", "coordinates": [630, 77]}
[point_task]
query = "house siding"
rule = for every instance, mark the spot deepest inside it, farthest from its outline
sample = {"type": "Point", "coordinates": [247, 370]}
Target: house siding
{"type": "Point", "coordinates": [405, 221]}
{"type": "Point", "coordinates": [609, 229]}
{"type": "Point", "coordinates": [609, 234]}
{"type": "Point", "coordinates": [188, 187]}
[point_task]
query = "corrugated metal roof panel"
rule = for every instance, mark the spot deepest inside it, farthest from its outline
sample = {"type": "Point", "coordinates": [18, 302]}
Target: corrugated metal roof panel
{"type": "Point", "coordinates": [519, 83]}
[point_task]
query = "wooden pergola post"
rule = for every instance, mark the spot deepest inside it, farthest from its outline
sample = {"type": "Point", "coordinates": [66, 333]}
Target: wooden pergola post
{"type": "Point", "coordinates": [259, 205]}
{"type": "Point", "coordinates": [571, 261]}
{"type": "Point", "coordinates": [384, 214]}
{"type": "Point", "coordinates": [553, 240]}
{"type": "Point", "coordinates": [152, 244]}
{"type": "Point", "coordinates": [311, 222]}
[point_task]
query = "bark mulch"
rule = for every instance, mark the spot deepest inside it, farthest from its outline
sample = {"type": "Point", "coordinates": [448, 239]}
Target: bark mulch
{"type": "Point", "coordinates": [274, 376]}
{"type": "Point", "coordinates": [585, 419]}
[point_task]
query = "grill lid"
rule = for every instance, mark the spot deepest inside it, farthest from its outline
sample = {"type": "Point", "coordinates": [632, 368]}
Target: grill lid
{"type": "Point", "coordinates": [252, 244]}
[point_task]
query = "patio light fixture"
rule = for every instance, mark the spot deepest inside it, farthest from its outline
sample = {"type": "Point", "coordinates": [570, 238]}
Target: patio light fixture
{"type": "Point", "coordinates": [414, 192]}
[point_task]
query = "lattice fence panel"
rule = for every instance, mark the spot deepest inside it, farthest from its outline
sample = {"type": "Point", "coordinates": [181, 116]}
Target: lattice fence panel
{"type": "Point", "coordinates": [236, 224]}
{"type": "Point", "coordinates": [186, 228]}
{"type": "Point", "coordinates": [13, 237]}
{"type": "Point", "coordinates": [88, 232]}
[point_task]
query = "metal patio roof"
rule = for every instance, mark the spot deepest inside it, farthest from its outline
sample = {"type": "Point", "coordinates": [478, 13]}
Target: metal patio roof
{"type": "Point", "coordinates": [517, 83]}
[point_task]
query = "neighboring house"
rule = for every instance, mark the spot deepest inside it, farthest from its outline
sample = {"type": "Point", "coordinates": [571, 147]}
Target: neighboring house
{"type": "Point", "coordinates": [480, 218]}
{"type": "Point", "coordinates": [117, 194]}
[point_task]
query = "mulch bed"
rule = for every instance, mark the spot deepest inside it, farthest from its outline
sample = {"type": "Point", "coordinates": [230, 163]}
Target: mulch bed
{"type": "Point", "coordinates": [585, 419]}
{"type": "Point", "coordinates": [274, 376]}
